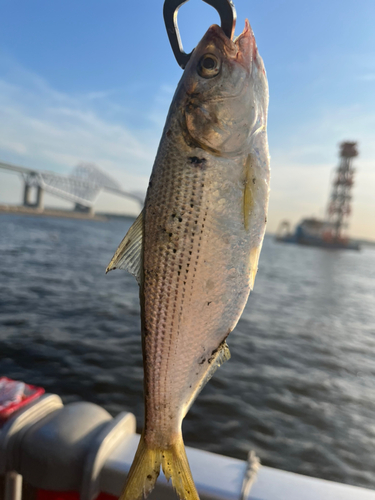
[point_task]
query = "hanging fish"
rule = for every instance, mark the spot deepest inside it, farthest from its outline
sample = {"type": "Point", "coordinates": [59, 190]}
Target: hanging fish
{"type": "Point", "coordinates": [195, 247]}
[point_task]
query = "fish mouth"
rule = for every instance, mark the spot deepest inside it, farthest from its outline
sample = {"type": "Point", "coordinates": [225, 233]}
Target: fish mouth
{"type": "Point", "coordinates": [246, 46]}
{"type": "Point", "coordinates": [242, 49]}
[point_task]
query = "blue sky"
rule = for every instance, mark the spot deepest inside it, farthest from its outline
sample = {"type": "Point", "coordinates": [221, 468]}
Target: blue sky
{"type": "Point", "coordinates": [92, 81]}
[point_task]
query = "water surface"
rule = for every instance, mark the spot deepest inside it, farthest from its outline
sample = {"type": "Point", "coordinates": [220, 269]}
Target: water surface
{"type": "Point", "coordinates": [299, 389]}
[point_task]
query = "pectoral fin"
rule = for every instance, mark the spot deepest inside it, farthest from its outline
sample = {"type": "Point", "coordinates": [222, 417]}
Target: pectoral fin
{"type": "Point", "coordinates": [247, 197]}
{"type": "Point", "coordinates": [128, 256]}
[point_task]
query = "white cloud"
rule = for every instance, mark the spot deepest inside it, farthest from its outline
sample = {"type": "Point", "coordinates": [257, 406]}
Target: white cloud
{"type": "Point", "coordinates": [367, 78]}
{"type": "Point", "coordinates": [43, 128]}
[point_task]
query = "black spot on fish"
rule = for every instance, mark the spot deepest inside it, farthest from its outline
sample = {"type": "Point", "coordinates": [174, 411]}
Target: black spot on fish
{"type": "Point", "coordinates": [202, 361]}
{"type": "Point", "coordinates": [145, 331]}
{"type": "Point", "coordinates": [149, 477]}
{"type": "Point", "coordinates": [208, 303]}
{"type": "Point", "coordinates": [210, 359]}
{"type": "Point", "coordinates": [265, 219]}
{"type": "Point", "coordinates": [254, 180]}
{"type": "Point", "coordinates": [197, 162]}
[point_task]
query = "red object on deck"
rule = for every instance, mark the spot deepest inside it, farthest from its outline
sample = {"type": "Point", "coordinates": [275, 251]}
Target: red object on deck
{"type": "Point", "coordinates": [15, 394]}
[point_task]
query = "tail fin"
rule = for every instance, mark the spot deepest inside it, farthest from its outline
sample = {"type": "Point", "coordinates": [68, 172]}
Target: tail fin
{"type": "Point", "coordinates": [143, 473]}
{"type": "Point", "coordinates": [176, 466]}
{"type": "Point", "coordinates": [145, 470]}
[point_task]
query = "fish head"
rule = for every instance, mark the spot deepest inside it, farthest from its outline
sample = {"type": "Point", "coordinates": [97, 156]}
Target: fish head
{"type": "Point", "coordinates": [223, 93]}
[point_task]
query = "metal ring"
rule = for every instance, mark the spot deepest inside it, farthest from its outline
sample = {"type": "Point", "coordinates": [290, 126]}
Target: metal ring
{"type": "Point", "coordinates": [225, 9]}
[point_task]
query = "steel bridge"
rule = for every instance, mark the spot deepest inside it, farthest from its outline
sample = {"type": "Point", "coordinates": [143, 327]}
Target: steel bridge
{"type": "Point", "coordinates": [82, 186]}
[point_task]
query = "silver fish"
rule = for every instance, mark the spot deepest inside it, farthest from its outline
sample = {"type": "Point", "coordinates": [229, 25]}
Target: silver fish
{"type": "Point", "coordinates": [194, 249]}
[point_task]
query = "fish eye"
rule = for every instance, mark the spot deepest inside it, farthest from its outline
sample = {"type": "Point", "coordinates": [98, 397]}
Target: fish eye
{"type": "Point", "coordinates": [209, 66]}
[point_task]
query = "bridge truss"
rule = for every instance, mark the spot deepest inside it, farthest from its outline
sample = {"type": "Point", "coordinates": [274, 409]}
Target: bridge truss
{"type": "Point", "coordinates": [81, 187]}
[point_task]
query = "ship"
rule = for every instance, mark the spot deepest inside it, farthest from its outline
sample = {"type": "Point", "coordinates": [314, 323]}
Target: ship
{"type": "Point", "coordinates": [329, 232]}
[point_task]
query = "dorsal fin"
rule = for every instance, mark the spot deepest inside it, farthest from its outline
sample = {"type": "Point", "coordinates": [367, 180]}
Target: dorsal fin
{"type": "Point", "coordinates": [128, 256]}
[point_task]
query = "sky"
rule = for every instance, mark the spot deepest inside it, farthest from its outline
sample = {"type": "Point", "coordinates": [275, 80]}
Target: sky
{"type": "Point", "coordinates": [92, 81]}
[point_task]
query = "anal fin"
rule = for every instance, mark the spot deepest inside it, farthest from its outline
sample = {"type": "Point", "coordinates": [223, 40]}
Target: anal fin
{"type": "Point", "coordinates": [218, 358]}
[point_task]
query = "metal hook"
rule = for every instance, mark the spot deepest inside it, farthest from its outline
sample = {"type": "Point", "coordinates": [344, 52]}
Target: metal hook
{"type": "Point", "coordinates": [227, 13]}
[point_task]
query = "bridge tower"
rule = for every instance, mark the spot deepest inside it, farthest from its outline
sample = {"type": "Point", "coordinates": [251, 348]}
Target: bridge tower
{"type": "Point", "coordinates": [339, 205]}
{"type": "Point", "coordinates": [33, 182]}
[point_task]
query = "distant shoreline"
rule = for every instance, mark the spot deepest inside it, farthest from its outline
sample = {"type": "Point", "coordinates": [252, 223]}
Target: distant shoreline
{"type": "Point", "coordinates": [54, 212]}
{"type": "Point", "coordinates": [100, 217]}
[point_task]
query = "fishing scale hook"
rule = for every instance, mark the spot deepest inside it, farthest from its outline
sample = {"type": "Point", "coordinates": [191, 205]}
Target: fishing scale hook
{"type": "Point", "coordinates": [225, 9]}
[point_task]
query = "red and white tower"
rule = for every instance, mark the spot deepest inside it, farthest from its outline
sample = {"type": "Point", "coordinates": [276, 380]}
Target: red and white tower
{"type": "Point", "coordinates": [339, 205]}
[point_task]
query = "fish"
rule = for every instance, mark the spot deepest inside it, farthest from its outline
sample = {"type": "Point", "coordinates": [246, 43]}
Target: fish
{"type": "Point", "coordinates": [194, 249]}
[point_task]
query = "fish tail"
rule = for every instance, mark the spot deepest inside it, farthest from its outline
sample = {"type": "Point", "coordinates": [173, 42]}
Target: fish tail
{"type": "Point", "coordinates": [176, 466]}
{"type": "Point", "coordinates": [143, 473]}
{"type": "Point", "coordinates": [145, 470]}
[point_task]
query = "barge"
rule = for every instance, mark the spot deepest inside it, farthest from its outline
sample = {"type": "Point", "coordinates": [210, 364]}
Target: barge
{"type": "Point", "coordinates": [329, 233]}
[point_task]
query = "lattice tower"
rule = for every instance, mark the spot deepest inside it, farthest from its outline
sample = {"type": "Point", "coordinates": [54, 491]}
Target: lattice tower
{"type": "Point", "coordinates": [339, 205]}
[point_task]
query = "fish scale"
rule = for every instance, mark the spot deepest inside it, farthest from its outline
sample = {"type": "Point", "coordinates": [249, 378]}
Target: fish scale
{"type": "Point", "coordinates": [179, 185]}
